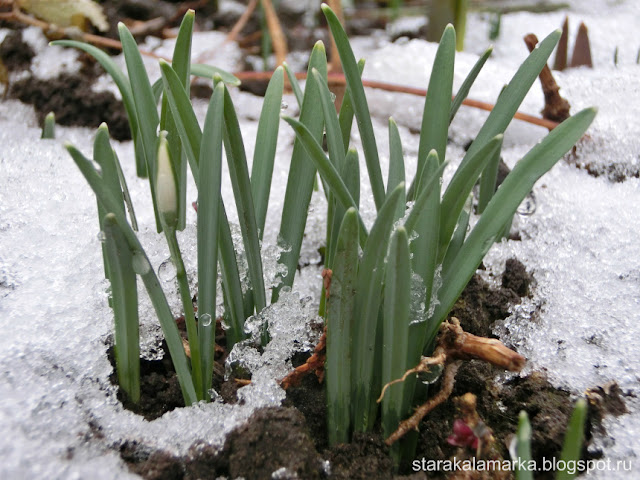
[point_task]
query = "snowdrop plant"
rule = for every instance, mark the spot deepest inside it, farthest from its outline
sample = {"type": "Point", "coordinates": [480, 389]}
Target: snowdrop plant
{"type": "Point", "coordinates": [386, 304]}
{"type": "Point", "coordinates": [164, 157]}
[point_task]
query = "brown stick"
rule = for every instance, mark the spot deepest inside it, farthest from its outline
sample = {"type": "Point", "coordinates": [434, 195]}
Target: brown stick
{"type": "Point", "coordinates": [556, 108]}
{"type": "Point", "coordinates": [242, 22]}
{"type": "Point", "coordinates": [337, 79]}
{"type": "Point", "coordinates": [448, 380]}
{"type": "Point", "coordinates": [278, 40]}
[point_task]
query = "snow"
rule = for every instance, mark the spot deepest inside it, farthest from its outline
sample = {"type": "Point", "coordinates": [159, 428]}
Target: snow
{"type": "Point", "coordinates": [59, 416]}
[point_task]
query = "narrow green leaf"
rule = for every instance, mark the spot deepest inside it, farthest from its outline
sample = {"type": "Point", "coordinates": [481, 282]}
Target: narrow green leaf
{"type": "Point", "coordinates": [265, 148]}
{"type": "Point", "coordinates": [360, 106]}
{"type": "Point", "coordinates": [459, 234]}
{"type": "Point", "coordinates": [295, 85]}
{"type": "Point", "coordinates": [573, 440]}
{"type": "Point", "coordinates": [397, 299]}
{"type": "Point", "coordinates": [424, 248]}
{"type": "Point", "coordinates": [489, 180]}
{"type": "Point", "coordinates": [523, 448]}
{"type": "Point", "coordinates": [302, 174]}
{"type": "Point", "coordinates": [327, 170]}
{"type": "Point", "coordinates": [124, 292]}
{"type": "Point", "coordinates": [239, 173]}
{"type": "Point", "coordinates": [151, 282]}
{"type": "Point", "coordinates": [208, 220]}
{"type": "Point", "coordinates": [351, 175]}
{"type": "Point", "coordinates": [512, 96]}
{"type": "Point", "coordinates": [503, 205]}
{"type": "Point", "coordinates": [49, 127]}
{"type": "Point", "coordinates": [340, 311]}
{"type": "Point", "coordinates": [463, 91]}
{"type": "Point", "coordinates": [122, 82]}
{"type": "Point", "coordinates": [368, 300]}
{"type": "Point", "coordinates": [209, 71]}
{"type": "Point", "coordinates": [181, 61]}
{"type": "Point", "coordinates": [145, 107]}
{"type": "Point", "coordinates": [396, 157]}
{"type": "Point", "coordinates": [184, 116]}
{"type": "Point", "coordinates": [346, 112]}
{"type": "Point", "coordinates": [459, 188]}
{"type": "Point", "coordinates": [230, 281]}
{"type": "Point", "coordinates": [437, 105]}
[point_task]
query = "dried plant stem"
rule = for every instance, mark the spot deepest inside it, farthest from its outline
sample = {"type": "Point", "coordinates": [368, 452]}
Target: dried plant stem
{"type": "Point", "coordinates": [242, 21]}
{"type": "Point", "coordinates": [278, 40]}
{"type": "Point", "coordinates": [454, 345]}
{"type": "Point", "coordinates": [556, 108]}
{"type": "Point", "coordinates": [334, 79]}
{"type": "Point", "coordinates": [339, 79]}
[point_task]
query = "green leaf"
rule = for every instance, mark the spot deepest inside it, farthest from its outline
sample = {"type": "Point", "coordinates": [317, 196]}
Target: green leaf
{"type": "Point", "coordinates": [360, 106]}
{"type": "Point", "coordinates": [265, 148]}
{"type": "Point", "coordinates": [208, 221]}
{"type": "Point", "coordinates": [503, 205]}
{"type": "Point", "coordinates": [209, 71]}
{"type": "Point", "coordinates": [437, 106]}
{"type": "Point", "coordinates": [183, 115]}
{"type": "Point", "coordinates": [181, 65]}
{"type": "Point", "coordinates": [396, 158]}
{"type": "Point", "coordinates": [122, 82]}
{"type": "Point", "coordinates": [158, 299]}
{"type": "Point", "coordinates": [351, 174]}
{"type": "Point", "coordinates": [230, 282]}
{"type": "Point", "coordinates": [463, 91]}
{"type": "Point", "coordinates": [302, 173]}
{"type": "Point", "coordinates": [573, 440]}
{"type": "Point", "coordinates": [340, 316]}
{"type": "Point", "coordinates": [295, 85]}
{"type": "Point", "coordinates": [327, 170]}
{"type": "Point", "coordinates": [489, 180]}
{"type": "Point", "coordinates": [239, 173]}
{"type": "Point", "coordinates": [346, 113]}
{"type": "Point", "coordinates": [424, 247]}
{"type": "Point", "coordinates": [523, 447]}
{"type": "Point", "coordinates": [459, 188]}
{"type": "Point", "coordinates": [368, 300]}
{"type": "Point", "coordinates": [49, 127]}
{"type": "Point", "coordinates": [512, 96]}
{"type": "Point", "coordinates": [145, 107]}
{"type": "Point", "coordinates": [397, 300]}
{"type": "Point", "coordinates": [459, 234]}
{"type": "Point", "coordinates": [124, 292]}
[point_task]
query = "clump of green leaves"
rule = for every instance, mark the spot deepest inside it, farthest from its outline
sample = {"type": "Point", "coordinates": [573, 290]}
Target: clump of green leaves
{"type": "Point", "coordinates": [164, 157]}
{"type": "Point", "coordinates": [569, 461]}
{"type": "Point", "coordinates": [387, 304]}
{"type": "Point", "coordinates": [393, 284]}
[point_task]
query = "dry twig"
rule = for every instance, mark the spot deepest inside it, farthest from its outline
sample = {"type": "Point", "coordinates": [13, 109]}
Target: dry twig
{"type": "Point", "coordinates": [454, 345]}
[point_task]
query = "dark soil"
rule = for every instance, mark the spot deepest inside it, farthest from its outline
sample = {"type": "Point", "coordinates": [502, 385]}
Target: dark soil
{"type": "Point", "coordinates": [292, 439]}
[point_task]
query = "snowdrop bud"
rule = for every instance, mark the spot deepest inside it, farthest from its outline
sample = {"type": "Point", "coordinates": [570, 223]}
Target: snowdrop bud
{"type": "Point", "coordinates": [166, 194]}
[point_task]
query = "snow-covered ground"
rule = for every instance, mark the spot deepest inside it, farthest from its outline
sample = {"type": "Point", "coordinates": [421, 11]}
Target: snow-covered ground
{"type": "Point", "coordinates": [581, 325]}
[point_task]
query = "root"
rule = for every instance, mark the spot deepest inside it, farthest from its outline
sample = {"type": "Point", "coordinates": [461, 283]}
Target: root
{"type": "Point", "coordinates": [454, 346]}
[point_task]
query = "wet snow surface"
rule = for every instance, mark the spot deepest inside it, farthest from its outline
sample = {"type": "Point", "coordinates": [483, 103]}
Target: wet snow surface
{"type": "Point", "coordinates": [581, 324]}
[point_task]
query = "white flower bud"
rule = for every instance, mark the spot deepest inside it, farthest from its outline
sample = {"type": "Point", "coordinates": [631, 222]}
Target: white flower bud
{"type": "Point", "coordinates": [166, 194]}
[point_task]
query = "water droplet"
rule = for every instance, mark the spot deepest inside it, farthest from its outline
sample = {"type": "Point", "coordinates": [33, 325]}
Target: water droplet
{"type": "Point", "coordinates": [102, 237]}
{"type": "Point", "coordinates": [332, 96]}
{"type": "Point", "coordinates": [214, 395]}
{"type": "Point", "coordinates": [167, 270]}
{"type": "Point", "coordinates": [224, 323]}
{"type": "Point", "coordinates": [283, 106]}
{"type": "Point", "coordinates": [140, 263]}
{"type": "Point", "coordinates": [528, 206]}
{"type": "Point", "coordinates": [205, 319]}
